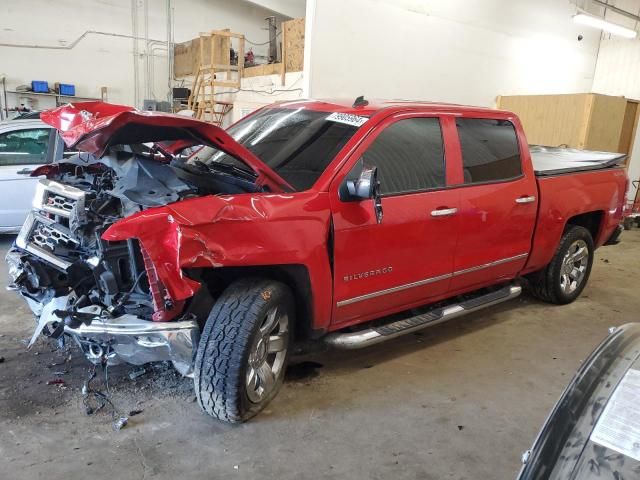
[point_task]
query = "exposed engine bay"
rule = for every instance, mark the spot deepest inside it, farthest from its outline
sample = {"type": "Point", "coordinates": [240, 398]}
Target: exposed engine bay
{"type": "Point", "coordinates": [103, 294]}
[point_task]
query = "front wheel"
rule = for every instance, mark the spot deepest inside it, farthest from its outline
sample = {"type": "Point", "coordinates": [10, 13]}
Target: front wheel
{"type": "Point", "coordinates": [564, 278]}
{"type": "Point", "coordinates": [244, 349]}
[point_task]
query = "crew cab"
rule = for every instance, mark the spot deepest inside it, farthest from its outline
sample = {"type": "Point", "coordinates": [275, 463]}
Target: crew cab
{"type": "Point", "coordinates": [331, 221]}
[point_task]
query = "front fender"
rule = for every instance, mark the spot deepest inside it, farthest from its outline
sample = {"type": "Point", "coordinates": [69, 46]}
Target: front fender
{"type": "Point", "coordinates": [230, 231]}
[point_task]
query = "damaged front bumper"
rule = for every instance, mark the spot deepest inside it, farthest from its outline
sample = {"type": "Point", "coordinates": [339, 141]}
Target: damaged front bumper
{"type": "Point", "coordinates": [126, 338]}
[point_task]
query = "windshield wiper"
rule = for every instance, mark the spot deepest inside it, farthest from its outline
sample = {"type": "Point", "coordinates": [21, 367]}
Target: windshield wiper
{"type": "Point", "coordinates": [224, 167]}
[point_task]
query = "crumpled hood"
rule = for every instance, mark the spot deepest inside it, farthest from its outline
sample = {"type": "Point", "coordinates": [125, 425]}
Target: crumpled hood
{"type": "Point", "coordinates": [95, 126]}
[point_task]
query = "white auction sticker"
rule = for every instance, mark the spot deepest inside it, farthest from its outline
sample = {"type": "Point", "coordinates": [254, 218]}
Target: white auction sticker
{"type": "Point", "coordinates": [618, 427]}
{"type": "Point", "coordinates": [349, 119]}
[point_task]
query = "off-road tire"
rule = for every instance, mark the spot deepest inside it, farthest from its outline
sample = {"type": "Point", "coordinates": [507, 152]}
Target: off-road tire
{"type": "Point", "coordinates": [545, 284]}
{"type": "Point", "coordinates": [222, 358]}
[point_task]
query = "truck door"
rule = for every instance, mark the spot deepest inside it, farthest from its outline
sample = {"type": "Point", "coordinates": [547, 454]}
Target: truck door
{"type": "Point", "coordinates": [406, 258]}
{"type": "Point", "coordinates": [22, 150]}
{"type": "Point", "coordinates": [498, 204]}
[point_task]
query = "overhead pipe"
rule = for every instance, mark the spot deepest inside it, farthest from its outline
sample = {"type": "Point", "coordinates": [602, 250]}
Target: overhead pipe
{"type": "Point", "coordinates": [75, 42]}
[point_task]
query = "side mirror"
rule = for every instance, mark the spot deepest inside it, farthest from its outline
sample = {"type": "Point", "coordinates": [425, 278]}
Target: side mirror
{"type": "Point", "coordinates": [365, 187]}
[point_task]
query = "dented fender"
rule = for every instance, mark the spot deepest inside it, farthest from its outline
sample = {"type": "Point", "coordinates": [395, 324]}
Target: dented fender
{"type": "Point", "coordinates": [231, 231]}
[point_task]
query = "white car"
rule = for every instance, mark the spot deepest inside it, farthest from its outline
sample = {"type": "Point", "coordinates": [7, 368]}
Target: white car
{"type": "Point", "coordinates": [24, 146]}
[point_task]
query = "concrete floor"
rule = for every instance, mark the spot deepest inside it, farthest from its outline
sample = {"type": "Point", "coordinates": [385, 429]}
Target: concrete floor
{"type": "Point", "coordinates": [460, 401]}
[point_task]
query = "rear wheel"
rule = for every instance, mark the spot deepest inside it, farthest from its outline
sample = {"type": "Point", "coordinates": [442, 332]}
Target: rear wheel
{"type": "Point", "coordinates": [564, 278]}
{"type": "Point", "coordinates": [244, 349]}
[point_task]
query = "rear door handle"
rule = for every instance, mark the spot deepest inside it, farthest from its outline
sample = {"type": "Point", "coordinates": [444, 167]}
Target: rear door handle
{"type": "Point", "coordinates": [526, 199]}
{"type": "Point", "coordinates": [443, 212]}
{"type": "Point", "coordinates": [25, 171]}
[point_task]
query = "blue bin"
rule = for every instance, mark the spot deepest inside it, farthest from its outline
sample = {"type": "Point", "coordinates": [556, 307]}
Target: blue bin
{"type": "Point", "coordinates": [66, 89]}
{"type": "Point", "coordinates": [38, 86]}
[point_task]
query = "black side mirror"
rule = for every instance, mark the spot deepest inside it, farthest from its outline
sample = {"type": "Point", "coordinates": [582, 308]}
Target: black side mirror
{"type": "Point", "coordinates": [366, 186]}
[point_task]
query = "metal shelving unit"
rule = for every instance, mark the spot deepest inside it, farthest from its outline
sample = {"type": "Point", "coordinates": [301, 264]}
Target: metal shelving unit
{"type": "Point", "coordinates": [57, 96]}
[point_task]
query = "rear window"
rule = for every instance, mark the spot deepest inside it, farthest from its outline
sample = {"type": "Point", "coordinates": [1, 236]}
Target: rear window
{"type": "Point", "coordinates": [297, 143]}
{"type": "Point", "coordinates": [490, 150]}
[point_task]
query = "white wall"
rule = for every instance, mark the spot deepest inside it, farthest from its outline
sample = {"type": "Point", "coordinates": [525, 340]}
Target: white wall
{"type": "Point", "coordinates": [107, 61]}
{"type": "Point", "coordinates": [458, 51]}
{"type": "Point", "coordinates": [618, 73]}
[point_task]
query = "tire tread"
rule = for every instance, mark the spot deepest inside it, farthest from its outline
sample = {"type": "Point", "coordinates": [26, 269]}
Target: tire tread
{"type": "Point", "coordinates": [224, 342]}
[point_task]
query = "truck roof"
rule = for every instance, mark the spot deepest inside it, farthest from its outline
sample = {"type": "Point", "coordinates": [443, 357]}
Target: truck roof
{"type": "Point", "coordinates": [343, 105]}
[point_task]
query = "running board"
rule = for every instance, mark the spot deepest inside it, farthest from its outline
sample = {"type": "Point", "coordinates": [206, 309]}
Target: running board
{"type": "Point", "coordinates": [371, 336]}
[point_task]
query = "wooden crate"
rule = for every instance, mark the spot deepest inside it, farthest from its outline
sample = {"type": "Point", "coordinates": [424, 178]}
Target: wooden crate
{"type": "Point", "coordinates": [187, 55]}
{"type": "Point", "coordinates": [293, 44]}
{"type": "Point", "coordinates": [586, 121]}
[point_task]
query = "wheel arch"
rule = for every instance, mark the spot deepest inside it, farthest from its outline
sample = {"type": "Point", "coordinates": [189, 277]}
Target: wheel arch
{"type": "Point", "coordinates": [592, 221]}
{"type": "Point", "coordinates": [294, 276]}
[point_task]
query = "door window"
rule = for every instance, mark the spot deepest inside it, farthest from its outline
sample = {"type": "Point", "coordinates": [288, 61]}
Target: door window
{"type": "Point", "coordinates": [409, 155]}
{"type": "Point", "coordinates": [490, 150]}
{"type": "Point", "coordinates": [24, 147]}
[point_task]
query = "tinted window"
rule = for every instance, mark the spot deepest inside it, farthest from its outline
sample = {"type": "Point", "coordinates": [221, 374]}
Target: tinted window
{"type": "Point", "coordinates": [24, 147]}
{"type": "Point", "coordinates": [489, 150]}
{"type": "Point", "coordinates": [297, 143]}
{"type": "Point", "coordinates": [409, 156]}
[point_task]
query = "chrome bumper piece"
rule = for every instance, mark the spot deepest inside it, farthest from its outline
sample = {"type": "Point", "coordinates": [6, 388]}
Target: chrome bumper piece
{"type": "Point", "coordinates": [137, 341]}
{"type": "Point", "coordinates": [130, 339]}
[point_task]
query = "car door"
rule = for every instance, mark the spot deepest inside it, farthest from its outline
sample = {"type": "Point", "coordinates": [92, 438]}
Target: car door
{"type": "Point", "coordinates": [498, 204]}
{"type": "Point", "coordinates": [22, 150]}
{"type": "Point", "coordinates": [406, 258]}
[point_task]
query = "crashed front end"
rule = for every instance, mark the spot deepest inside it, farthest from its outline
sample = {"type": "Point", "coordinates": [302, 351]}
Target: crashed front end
{"type": "Point", "coordinates": [80, 263]}
{"type": "Point", "coordinates": [98, 293]}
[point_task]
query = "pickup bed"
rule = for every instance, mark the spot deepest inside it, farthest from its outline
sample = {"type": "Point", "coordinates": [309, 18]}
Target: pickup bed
{"type": "Point", "coordinates": [328, 221]}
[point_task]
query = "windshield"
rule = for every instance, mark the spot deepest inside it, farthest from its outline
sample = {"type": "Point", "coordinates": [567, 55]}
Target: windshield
{"type": "Point", "coordinates": [298, 144]}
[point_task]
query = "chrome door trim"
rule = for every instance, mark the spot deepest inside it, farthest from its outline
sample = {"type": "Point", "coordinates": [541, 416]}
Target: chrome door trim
{"type": "Point", "coordinates": [426, 281]}
{"type": "Point", "coordinates": [490, 264]}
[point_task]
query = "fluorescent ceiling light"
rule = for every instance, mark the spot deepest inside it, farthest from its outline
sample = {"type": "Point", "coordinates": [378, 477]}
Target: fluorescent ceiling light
{"type": "Point", "coordinates": [602, 24]}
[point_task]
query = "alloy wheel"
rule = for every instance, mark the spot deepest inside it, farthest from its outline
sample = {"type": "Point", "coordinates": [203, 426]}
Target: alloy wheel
{"type": "Point", "coordinates": [574, 266]}
{"type": "Point", "coordinates": [267, 354]}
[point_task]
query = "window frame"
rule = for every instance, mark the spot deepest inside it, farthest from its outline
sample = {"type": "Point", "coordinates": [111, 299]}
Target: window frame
{"type": "Point", "coordinates": [373, 135]}
{"type": "Point", "coordinates": [488, 182]}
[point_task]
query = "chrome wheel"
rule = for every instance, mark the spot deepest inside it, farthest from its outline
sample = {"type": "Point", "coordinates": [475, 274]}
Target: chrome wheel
{"type": "Point", "coordinates": [267, 355]}
{"type": "Point", "coordinates": [574, 266]}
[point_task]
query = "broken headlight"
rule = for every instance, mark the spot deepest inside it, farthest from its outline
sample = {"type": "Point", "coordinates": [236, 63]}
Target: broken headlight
{"type": "Point", "coordinates": [16, 270]}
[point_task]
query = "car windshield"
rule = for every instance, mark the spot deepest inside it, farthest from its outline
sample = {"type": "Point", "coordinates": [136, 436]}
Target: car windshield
{"type": "Point", "coordinates": [298, 144]}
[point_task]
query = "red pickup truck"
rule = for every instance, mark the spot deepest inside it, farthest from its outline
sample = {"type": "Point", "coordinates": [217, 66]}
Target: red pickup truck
{"type": "Point", "coordinates": [349, 223]}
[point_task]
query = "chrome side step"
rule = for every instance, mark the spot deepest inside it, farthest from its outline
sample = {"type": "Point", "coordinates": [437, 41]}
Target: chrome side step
{"type": "Point", "coordinates": [371, 336]}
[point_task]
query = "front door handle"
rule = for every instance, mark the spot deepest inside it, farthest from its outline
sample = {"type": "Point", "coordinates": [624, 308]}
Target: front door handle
{"type": "Point", "coordinates": [25, 171]}
{"type": "Point", "coordinates": [443, 212]}
{"type": "Point", "coordinates": [526, 199]}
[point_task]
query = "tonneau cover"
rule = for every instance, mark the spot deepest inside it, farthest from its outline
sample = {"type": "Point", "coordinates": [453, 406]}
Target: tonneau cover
{"type": "Point", "coordinates": [558, 160]}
